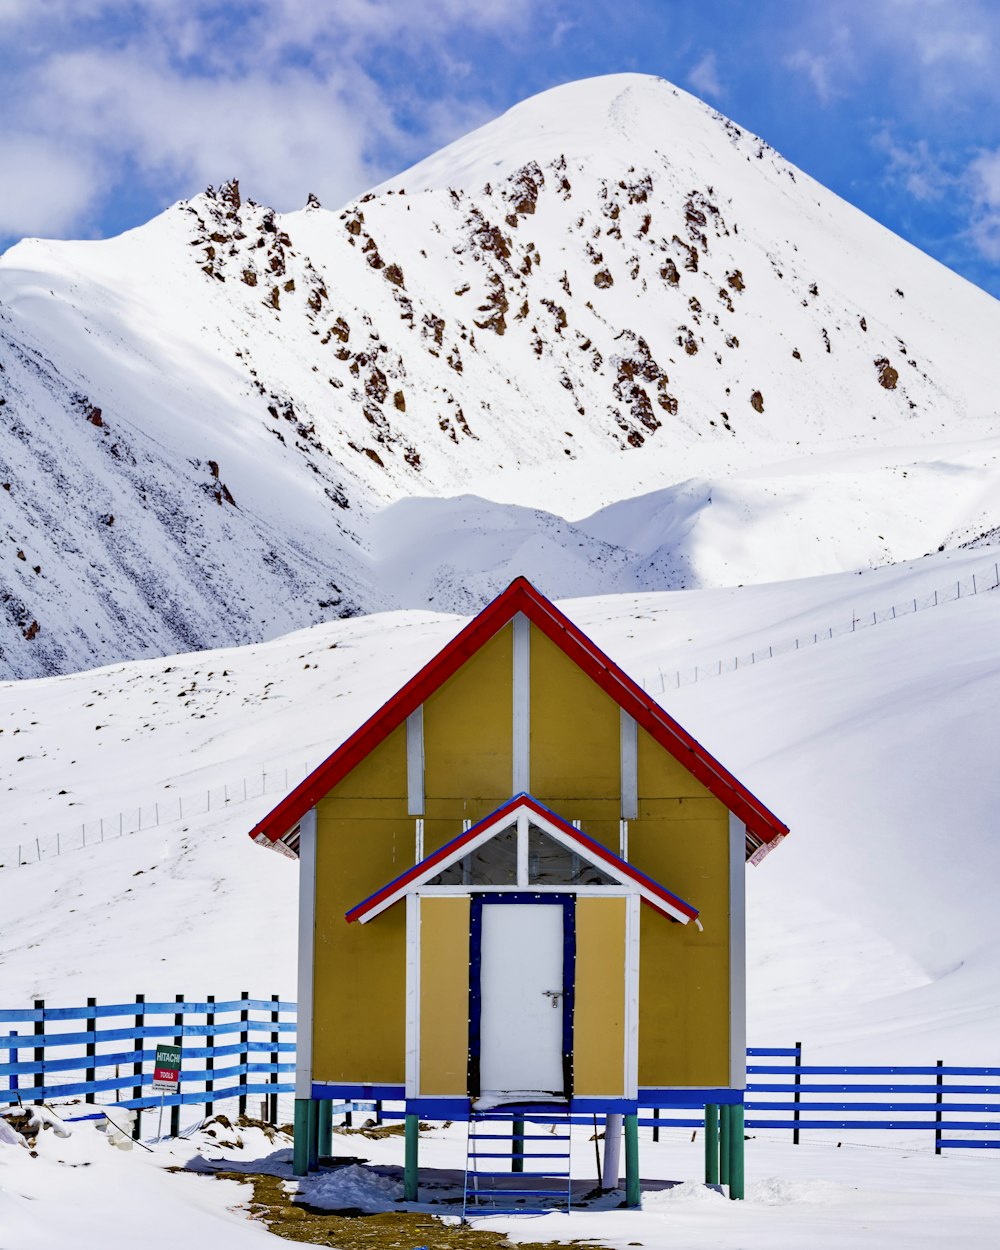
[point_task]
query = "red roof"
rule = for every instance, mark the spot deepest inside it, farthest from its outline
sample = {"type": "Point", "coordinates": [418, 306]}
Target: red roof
{"type": "Point", "coordinates": [520, 596]}
{"type": "Point", "coordinates": [656, 895]}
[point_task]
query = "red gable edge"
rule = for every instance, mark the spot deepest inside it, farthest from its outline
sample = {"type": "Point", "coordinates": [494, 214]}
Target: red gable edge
{"type": "Point", "coordinates": [521, 596]}
{"type": "Point", "coordinates": [594, 849]}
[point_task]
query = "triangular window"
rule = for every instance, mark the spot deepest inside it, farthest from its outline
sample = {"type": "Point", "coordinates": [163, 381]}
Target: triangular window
{"type": "Point", "coordinates": [492, 863]}
{"type": "Point", "coordinates": [552, 863]}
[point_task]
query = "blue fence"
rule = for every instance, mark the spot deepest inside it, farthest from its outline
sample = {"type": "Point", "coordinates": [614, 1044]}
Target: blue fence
{"type": "Point", "coordinates": [230, 1050]}
{"type": "Point", "coordinates": [238, 1049]}
{"type": "Point", "coordinates": [946, 1101]}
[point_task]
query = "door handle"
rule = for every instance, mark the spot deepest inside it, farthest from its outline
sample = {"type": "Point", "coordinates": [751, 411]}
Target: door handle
{"type": "Point", "coordinates": [554, 995]}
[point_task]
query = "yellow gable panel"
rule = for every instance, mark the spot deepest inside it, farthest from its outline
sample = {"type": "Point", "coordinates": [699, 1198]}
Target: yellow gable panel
{"type": "Point", "coordinates": [575, 731]}
{"type": "Point", "coordinates": [663, 776]}
{"type": "Point", "coordinates": [468, 731]}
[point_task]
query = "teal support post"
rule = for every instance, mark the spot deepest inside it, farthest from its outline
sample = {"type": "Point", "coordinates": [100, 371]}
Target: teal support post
{"type": "Point", "coordinates": [711, 1144]}
{"type": "Point", "coordinates": [325, 1144]}
{"type": "Point", "coordinates": [410, 1168]}
{"type": "Point", "coordinates": [300, 1138]}
{"type": "Point", "coordinates": [736, 1134]}
{"type": "Point", "coordinates": [313, 1135]}
{"type": "Point", "coordinates": [517, 1147]}
{"type": "Point", "coordinates": [632, 1191]}
{"type": "Point", "coordinates": [725, 1141]}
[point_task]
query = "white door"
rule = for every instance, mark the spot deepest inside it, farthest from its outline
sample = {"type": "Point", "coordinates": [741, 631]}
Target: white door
{"type": "Point", "coordinates": [521, 1004]}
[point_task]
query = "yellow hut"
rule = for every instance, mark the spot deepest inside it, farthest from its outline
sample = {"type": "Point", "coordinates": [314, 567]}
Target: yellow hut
{"type": "Point", "coordinates": [521, 899]}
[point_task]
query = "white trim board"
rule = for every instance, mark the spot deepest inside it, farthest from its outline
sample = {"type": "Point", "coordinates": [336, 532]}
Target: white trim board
{"type": "Point", "coordinates": [412, 1074]}
{"type": "Point", "coordinates": [737, 954]}
{"type": "Point", "coordinates": [632, 922]}
{"type": "Point", "coordinates": [629, 737]}
{"type": "Point", "coordinates": [415, 762]}
{"type": "Point", "coordinates": [521, 746]}
{"type": "Point", "coordinates": [307, 951]}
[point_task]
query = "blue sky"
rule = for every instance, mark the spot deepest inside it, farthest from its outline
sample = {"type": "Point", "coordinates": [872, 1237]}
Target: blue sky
{"type": "Point", "coordinates": [112, 109]}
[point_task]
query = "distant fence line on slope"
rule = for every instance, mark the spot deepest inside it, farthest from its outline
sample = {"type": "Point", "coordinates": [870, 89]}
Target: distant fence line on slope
{"type": "Point", "coordinates": [233, 1051]}
{"type": "Point", "coordinates": [980, 582]}
{"type": "Point", "coordinates": [168, 810]}
{"type": "Point", "coordinates": [171, 810]}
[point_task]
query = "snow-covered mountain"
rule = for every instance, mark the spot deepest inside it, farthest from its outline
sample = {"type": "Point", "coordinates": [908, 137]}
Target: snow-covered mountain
{"type": "Point", "coordinates": [611, 303]}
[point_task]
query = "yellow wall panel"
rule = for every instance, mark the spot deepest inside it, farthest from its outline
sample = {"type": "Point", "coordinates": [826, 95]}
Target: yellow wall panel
{"type": "Point", "coordinates": [575, 731]}
{"type": "Point", "coordinates": [684, 972]}
{"type": "Point", "coordinates": [380, 775]}
{"type": "Point", "coordinates": [599, 1013]}
{"type": "Point", "coordinates": [683, 1005]}
{"type": "Point", "coordinates": [359, 974]}
{"type": "Point", "coordinates": [469, 728]}
{"type": "Point", "coordinates": [444, 996]}
{"type": "Point", "coordinates": [663, 776]}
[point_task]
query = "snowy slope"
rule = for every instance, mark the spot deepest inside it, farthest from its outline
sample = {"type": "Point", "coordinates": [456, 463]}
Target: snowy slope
{"type": "Point", "coordinates": [229, 423]}
{"type": "Point", "coordinates": [873, 928]}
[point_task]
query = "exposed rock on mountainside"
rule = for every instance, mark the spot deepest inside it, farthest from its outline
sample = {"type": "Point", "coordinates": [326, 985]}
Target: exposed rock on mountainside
{"type": "Point", "coordinates": [607, 291]}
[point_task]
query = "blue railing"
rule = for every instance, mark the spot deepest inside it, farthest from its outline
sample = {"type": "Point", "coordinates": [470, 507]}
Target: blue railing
{"type": "Point", "coordinates": [254, 1056]}
{"type": "Point", "coordinates": [245, 1047]}
{"type": "Point", "coordinates": [957, 1105]}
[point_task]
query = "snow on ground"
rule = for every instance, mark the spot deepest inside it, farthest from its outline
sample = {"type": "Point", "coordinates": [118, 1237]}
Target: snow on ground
{"type": "Point", "coordinates": [82, 1191]}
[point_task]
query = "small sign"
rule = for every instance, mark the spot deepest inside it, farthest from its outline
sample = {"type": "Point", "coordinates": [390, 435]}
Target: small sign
{"type": "Point", "coordinates": [167, 1069]}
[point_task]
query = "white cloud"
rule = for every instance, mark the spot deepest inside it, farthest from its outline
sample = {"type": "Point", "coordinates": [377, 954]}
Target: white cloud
{"type": "Point", "coordinates": [704, 77]}
{"type": "Point", "coordinates": [915, 166]}
{"type": "Point", "coordinates": [916, 50]}
{"type": "Point", "coordinates": [290, 95]}
{"type": "Point", "coordinates": [984, 176]}
{"type": "Point", "coordinates": [283, 135]}
{"type": "Point", "coordinates": [48, 186]}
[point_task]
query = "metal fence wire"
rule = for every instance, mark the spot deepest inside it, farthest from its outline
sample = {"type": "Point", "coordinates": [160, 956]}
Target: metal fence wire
{"type": "Point", "coordinates": [978, 583]}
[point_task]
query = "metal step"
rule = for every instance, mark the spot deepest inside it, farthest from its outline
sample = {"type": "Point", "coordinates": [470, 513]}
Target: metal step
{"type": "Point", "coordinates": [493, 1192]}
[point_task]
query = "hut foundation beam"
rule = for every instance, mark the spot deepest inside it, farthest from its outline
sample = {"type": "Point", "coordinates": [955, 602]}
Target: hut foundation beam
{"type": "Point", "coordinates": [300, 1138]}
{"type": "Point", "coordinates": [632, 1189]}
{"type": "Point", "coordinates": [612, 1151]}
{"type": "Point", "coordinates": [410, 1165]}
{"type": "Point", "coordinates": [325, 1145]}
{"type": "Point", "coordinates": [711, 1144]}
{"type": "Point", "coordinates": [313, 1136]}
{"type": "Point", "coordinates": [736, 1142]}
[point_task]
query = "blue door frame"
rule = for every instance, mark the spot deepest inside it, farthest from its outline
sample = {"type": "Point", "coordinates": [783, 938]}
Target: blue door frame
{"type": "Point", "coordinates": [526, 898]}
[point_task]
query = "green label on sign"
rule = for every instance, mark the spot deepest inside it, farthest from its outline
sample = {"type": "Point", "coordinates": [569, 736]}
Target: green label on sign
{"type": "Point", "coordinates": [167, 1069]}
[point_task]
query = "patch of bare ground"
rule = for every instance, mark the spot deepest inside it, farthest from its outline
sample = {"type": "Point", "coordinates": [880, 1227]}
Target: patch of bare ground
{"type": "Point", "coordinates": [299, 1222]}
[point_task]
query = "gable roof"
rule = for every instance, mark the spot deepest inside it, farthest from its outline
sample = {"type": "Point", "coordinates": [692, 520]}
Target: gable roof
{"type": "Point", "coordinates": [764, 829]}
{"type": "Point", "coordinates": [651, 892]}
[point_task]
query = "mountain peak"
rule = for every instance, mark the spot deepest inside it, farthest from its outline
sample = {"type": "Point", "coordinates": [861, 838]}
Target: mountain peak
{"type": "Point", "coordinates": [610, 292]}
